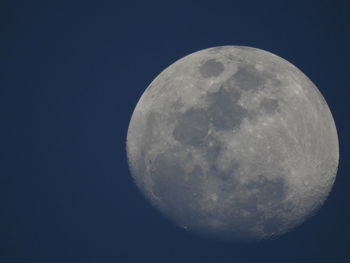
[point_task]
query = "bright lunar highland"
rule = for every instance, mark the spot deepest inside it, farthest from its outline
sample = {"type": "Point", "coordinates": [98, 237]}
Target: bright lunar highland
{"type": "Point", "coordinates": [233, 143]}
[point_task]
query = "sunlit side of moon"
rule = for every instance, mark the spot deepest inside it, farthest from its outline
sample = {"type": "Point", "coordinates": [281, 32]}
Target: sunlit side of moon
{"type": "Point", "coordinates": [233, 143]}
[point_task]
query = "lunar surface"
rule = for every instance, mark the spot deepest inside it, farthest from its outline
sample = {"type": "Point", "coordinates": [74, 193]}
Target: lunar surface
{"type": "Point", "coordinates": [233, 143]}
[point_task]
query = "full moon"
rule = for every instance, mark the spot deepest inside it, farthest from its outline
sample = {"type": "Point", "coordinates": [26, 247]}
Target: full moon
{"type": "Point", "coordinates": [233, 143]}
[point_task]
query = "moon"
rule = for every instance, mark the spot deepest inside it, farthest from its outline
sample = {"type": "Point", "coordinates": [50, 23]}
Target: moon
{"type": "Point", "coordinates": [233, 143]}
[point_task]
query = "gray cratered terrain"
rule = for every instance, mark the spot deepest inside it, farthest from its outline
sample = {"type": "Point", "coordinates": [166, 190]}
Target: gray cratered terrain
{"type": "Point", "coordinates": [233, 143]}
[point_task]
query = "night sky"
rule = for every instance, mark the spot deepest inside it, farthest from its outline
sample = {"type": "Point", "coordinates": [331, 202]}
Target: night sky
{"type": "Point", "coordinates": [71, 75]}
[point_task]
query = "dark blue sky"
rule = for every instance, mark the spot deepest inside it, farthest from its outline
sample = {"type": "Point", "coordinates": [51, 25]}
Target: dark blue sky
{"type": "Point", "coordinates": [71, 75]}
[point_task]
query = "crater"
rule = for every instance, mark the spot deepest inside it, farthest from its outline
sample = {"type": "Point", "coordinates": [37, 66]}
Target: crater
{"type": "Point", "coordinates": [211, 68]}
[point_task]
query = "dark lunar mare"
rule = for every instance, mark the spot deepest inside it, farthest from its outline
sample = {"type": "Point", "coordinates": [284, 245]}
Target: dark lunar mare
{"type": "Point", "coordinates": [176, 147]}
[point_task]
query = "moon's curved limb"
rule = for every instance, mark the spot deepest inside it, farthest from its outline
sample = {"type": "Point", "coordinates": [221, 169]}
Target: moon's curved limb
{"type": "Point", "coordinates": [233, 142]}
